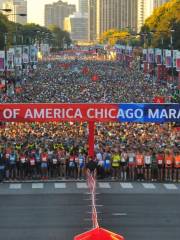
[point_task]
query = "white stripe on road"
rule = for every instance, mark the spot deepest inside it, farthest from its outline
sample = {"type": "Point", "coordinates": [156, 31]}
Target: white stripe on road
{"type": "Point", "coordinates": [170, 186]}
{"type": "Point", "coordinates": [119, 214]}
{"type": "Point", "coordinates": [37, 186]}
{"type": "Point", "coordinates": [81, 185]}
{"type": "Point", "coordinates": [126, 185]}
{"type": "Point", "coordinates": [148, 185]}
{"type": "Point", "coordinates": [15, 186]}
{"type": "Point", "coordinates": [104, 185]}
{"type": "Point", "coordinates": [60, 185]}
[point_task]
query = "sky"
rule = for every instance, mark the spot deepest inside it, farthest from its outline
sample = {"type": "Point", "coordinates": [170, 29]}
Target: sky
{"type": "Point", "coordinates": [36, 9]}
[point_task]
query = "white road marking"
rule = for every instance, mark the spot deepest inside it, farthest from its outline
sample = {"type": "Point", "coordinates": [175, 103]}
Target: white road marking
{"type": "Point", "coordinates": [91, 212]}
{"type": "Point", "coordinates": [96, 205]}
{"type": "Point", "coordinates": [119, 214]}
{"type": "Point", "coordinates": [15, 186]}
{"type": "Point", "coordinates": [126, 185]}
{"type": "Point", "coordinates": [37, 185]}
{"type": "Point", "coordinates": [170, 186]}
{"type": "Point", "coordinates": [59, 185]}
{"type": "Point", "coordinates": [81, 185]}
{"type": "Point", "coordinates": [148, 185]}
{"type": "Point", "coordinates": [104, 185]}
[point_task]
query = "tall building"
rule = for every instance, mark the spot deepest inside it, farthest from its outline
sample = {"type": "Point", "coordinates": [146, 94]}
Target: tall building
{"type": "Point", "coordinates": [158, 3]}
{"type": "Point", "coordinates": [56, 13]}
{"type": "Point", "coordinates": [127, 17]}
{"type": "Point", "coordinates": [92, 12]}
{"type": "Point", "coordinates": [1, 4]}
{"type": "Point", "coordinates": [83, 6]}
{"type": "Point", "coordinates": [120, 14]}
{"type": "Point", "coordinates": [18, 7]}
{"type": "Point", "coordinates": [77, 26]}
{"type": "Point", "coordinates": [106, 17]}
{"type": "Point", "coordinates": [146, 8]}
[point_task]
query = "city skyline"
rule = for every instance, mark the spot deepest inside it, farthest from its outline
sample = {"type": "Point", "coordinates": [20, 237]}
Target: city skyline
{"type": "Point", "coordinates": [38, 16]}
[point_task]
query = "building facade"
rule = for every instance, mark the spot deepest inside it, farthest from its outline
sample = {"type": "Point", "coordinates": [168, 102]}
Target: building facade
{"type": "Point", "coordinates": [1, 4]}
{"type": "Point", "coordinates": [158, 3]}
{"type": "Point", "coordinates": [18, 7]}
{"type": "Point", "coordinates": [56, 13]}
{"type": "Point", "coordinates": [83, 6]}
{"type": "Point", "coordinates": [120, 14]}
{"type": "Point", "coordinates": [92, 12]}
{"type": "Point", "coordinates": [77, 26]}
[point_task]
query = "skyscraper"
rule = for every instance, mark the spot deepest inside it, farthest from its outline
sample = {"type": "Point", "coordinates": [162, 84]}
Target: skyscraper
{"type": "Point", "coordinates": [92, 12]}
{"type": "Point", "coordinates": [120, 14]}
{"type": "Point", "coordinates": [18, 7]}
{"type": "Point", "coordinates": [1, 3]}
{"type": "Point", "coordinates": [158, 3]}
{"type": "Point", "coordinates": [106, 17]}
{"type": "Point", "coordinates": [77, 26]}
{"type": "Point", "coordinates": [83, 6]}
{"type": "Point", "coordinates": [55, 13]}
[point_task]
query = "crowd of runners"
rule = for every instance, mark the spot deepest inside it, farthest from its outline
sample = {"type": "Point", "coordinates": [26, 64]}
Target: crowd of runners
{"type": "Point", "coordinates": [86, 81]}
{"type": "Point", "coordinates": [126, 151]}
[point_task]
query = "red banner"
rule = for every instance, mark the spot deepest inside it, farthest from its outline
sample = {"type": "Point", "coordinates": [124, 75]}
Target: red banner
{"type": "Point", "coordinates": [58, 112]}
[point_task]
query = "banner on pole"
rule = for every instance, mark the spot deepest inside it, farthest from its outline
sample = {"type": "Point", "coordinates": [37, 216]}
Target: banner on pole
{"type": "Point", "coordinates": [33, 54]}
{"type": "Point", "coordinates": [140, 113]}
{"type": "Point", "coordinates": [2, 61]}
{"type": "Point", "coordinates": [10, 59]}
{"type": "Point", "coordinates": [151, 55]}
{"type": "Point", "coordinates": [18, 57]}
{"type": "Point", "coordinates": [158, 56]}
{"type": "Point", "coordinates": [168, 59]}
{"type": "Point", "coordinates": [178, 61]}
{"type": "Point", "coordinates": [25, 54]}
{"type": "Point", "coordinates": [145, 55]}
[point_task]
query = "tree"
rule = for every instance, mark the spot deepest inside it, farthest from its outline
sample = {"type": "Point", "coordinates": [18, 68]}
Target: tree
{"type": "Point", "coordinates": [30, 33]}
{"type": "Point", "coordinates": [60, 37]}
{"type": "Point", "coordinates": [111, 36]}
{"type": "Point", "coordinates": [159, 25]}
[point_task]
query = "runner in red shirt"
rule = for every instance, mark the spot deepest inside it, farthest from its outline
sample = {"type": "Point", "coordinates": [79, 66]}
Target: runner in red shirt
{"type": "Point", "coordinates": [160, 164]}
{"type": "Point", "coordinates": [169, 160]}
{"type": "Point", "coordinates": [140, 166]}
{"type": "Point", "coordinates": [44, 164]}
{"type": "Point", "coordinates": [177, 167]}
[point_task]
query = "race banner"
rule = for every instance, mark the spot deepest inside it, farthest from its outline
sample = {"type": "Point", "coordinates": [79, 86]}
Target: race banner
{"type": "Point", "coordinates": [18, 57]}
{"type": "Point", "coordinates": [45, 49]}
{"type": "Point", "coordinates": [25, 54]}
{"type": "Point", "coordinates": [151, 55]}
{"type": "Point", "coordinates": [2, 61]}
{"type": "Point", "coordinates": [164, 57]}
{"type": "Point", "coordinates": [145, 51]}
{"type": "Point", "coordinates": [175, 53]}
{"type": "Point", "coordinates": [158, 56]}
{"type": "Point", "coordinates": [33, 54]}
{"type": "Point", "coordinates": [140, 113]}
{"type": "Point", "coordinates": [10, 59]}
{"type": "Point", "coordinates": [178, 61]}
{"type": "Point", "coordinates": [168, 59]}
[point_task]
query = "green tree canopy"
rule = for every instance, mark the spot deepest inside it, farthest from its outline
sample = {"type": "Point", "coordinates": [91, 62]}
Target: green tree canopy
{"type": "Point", "coordinates": [161, 23]}
{"type": "Point", "coordinates": [29, 33]}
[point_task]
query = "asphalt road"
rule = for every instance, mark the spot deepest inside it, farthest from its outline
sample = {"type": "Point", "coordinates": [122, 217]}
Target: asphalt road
{"type": "Point", "coordinates": [61, 216]}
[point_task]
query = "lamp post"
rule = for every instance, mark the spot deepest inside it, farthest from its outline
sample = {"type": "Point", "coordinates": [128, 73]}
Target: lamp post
{"type": "Point", "coordinates": [172, 54]}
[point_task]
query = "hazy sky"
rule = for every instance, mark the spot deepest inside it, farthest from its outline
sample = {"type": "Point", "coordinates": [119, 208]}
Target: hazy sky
{"type": "Point", "coordinates": [36, 9]}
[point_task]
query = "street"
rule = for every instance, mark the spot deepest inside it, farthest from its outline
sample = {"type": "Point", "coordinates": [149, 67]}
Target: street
{"type": "Point", "coordinates": [42, 216]}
